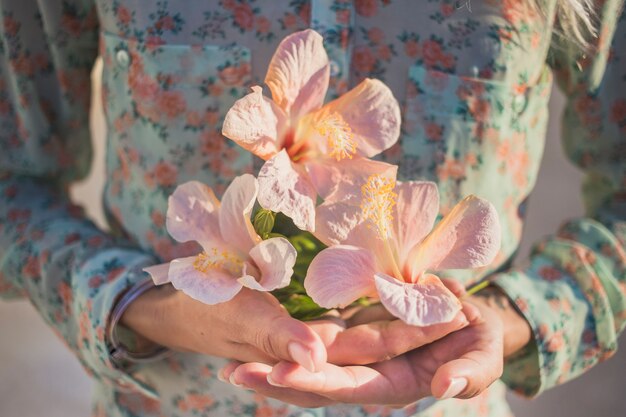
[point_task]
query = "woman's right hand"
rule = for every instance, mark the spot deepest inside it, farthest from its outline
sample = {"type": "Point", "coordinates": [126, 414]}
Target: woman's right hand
{"type": "Point", "coordinates": [252, 327]}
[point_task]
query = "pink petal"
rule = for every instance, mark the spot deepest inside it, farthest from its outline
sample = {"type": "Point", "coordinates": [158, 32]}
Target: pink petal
{"type": "Point", "coordinates": [372, 113]}
{"type": "Point", "coordinates": [468, 237]}
{"type": "Point", "coordinates": [285, 188]}
{"type": "Point", "coordinates": [416, 210]}
{"type": "Point", "coordinates": [340, 275]}
{"type": "Point", "coordinates": [192, 213]}
{"type": "Point", "coordinates": [423, 304]}
{"type": "Point", "coordinates": [274, 259]}
{"type": "Point", "coordinates": [234, 216]}
{"type": "Point", "coordinates": [298, 73]}
{"type": "Point", "coordinates": [210, 287]}
{"type": "Point", "coordinates": [342, 181]}
{"type": "Point", "coordinates": [343, 224]}
{"type": "Point", "coordinates": [256, 124]}
{"type": "Point", "coordinates": [159, 273]}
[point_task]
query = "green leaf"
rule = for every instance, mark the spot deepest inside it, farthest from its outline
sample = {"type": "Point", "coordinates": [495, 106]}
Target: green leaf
{"type": "Point", "coordinates": [302, 307]}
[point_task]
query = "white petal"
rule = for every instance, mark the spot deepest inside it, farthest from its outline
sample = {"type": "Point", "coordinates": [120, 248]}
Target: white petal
{"type": "Point", "coordinates": [234, 217]}
{"type": "Point", "coordinates": [285, 188]}
{"type": "Point", "coordinates": [340, 275]}
{"type": "Point", "coordinates": [423, 304]}
{"type": "Point", "coordinates": [210, 287]}
{"type": "Point", "coordinates": [274, 259]}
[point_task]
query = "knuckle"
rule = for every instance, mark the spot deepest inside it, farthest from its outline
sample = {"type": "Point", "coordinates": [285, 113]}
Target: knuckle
{"type": "Point", "coordinates": [391, 345]}
{"type": "Point", "coordinates": [267, 340]}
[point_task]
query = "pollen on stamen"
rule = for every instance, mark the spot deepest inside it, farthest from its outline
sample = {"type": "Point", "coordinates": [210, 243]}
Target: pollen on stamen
{"type": "Point", "coordinates": [339, 136]}
{"type": "Point", "coordinates": [214, 259]}
{"type": "Point", "coordinates": [378, 201]}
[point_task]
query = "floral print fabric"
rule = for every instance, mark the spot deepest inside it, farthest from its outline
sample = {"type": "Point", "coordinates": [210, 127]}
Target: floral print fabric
{"type": "Point", "coordinates": [473, 77]}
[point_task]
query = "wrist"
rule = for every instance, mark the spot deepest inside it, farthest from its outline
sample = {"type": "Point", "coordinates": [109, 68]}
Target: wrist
{"type": "Point", "coordinates": [516, 330]}
{"type": "Point", "coordinates": [149, 314]}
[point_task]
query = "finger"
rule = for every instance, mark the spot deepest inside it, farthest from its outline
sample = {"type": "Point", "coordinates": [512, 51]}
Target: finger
{"type": "Point", "coordinates": [254, 376]}
{"type": "Point", "coordinates": [466, 377]}
{"type": "Point", "coordinates": [472, 313]}
{"type": "Point", "coordinates": [267, 326]}
{"type": "Point", "coordinates": [454, 286]}
{"type": "Point", "coordinates": [382, 340]}
{"type": "Point", "coordinates": [391, 383]}
{"type": "Point", "coordinates": [473, 372]}
{"type": "Point", "coordinates": [224, 373]}
{"type": "Point", "coordinates": [244, 352]}
{"type": "Point", "coordinates": [376, 312]}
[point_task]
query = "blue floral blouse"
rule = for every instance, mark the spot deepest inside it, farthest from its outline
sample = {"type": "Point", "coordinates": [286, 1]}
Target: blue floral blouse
{"type": "Point", "coordinates": [473, 77]}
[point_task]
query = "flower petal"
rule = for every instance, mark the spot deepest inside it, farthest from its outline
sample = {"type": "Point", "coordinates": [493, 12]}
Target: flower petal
{"type": "Point", "coordinates": [298, 73]}
{"type": "Point", "coordinates": [423, 304]}
{"type": "Point", "coordinates": [192, 213]}
{"type": "Point", "coordinates": [234, 216]}
{"type": "Point", "coordinates": [256, 124]}
{"type": "Point", "coordinates": [416, 210]}
{"type": "Point", "coordinates": [342, 181]}
{"type": "Point", "coordinates": [159, 273]}
{"type": "Point", "coordinates": [341, 223]}
{"type": "Point", "coordinates": [210, 287]}
{"type": "Point", "coordinates": [285, 188]}
{"type": "Point", "coordinates": [372, 113]}
{"type": "Point", "coordinates": [340, 275]}
{"type": "Point", "coordinates": [468, 237]}
{"type": "Point", "coordinates": [274, 259]}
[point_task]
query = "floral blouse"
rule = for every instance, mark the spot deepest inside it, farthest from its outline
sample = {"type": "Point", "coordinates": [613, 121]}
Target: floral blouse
{"type": "Point", "coordinates": [474, 78]}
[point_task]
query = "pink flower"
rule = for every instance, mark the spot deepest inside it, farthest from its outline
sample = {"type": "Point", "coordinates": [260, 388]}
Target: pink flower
{"type": "Point", "coordinates": [233, 255]}
{"type": "Point", "coordinates": [309, 148]}
{"type": "Point", "coordinates": [381, 245]}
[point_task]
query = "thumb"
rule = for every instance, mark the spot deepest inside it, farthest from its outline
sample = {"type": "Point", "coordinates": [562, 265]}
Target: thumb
{"type": "Point", "coordinates": [270, 329]}
{"type": "Point", "coordinates": [472, 372]}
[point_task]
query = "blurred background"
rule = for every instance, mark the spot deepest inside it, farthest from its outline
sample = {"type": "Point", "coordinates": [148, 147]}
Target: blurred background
{"type": "Point", "coordinates": [40, 377]}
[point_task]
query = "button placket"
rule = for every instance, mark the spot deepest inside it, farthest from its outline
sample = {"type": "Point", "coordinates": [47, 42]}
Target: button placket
{"type": "Point", "coordinates": [519, 103]}
{"type": "Point", "coordinates": [123, 58]}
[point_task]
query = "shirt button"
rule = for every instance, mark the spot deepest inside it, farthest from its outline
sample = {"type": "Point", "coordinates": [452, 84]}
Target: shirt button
{"type": "Point", "coordinates": [123, 59]}
{"type": "Point", "coordinates": [334, 68]}
{"type": "Point", "coordinates": [519, 103]}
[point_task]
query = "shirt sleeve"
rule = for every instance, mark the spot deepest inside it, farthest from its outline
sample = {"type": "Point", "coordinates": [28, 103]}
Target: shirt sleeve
{"type": "Point", "coordinates": [71, 271]}
{"type": "Point", "coordinates": [573, 291]}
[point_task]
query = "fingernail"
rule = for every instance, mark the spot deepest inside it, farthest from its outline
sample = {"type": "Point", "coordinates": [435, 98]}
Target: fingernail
{"type": "Point", "coordinates": [457, 385]}
{"type": "Point", "coordinates": [301, 355]}
{"type": "Point", "coordinates": [232, 381]}
{"type": "Point", "coordinates": [274, 383]}
{"type": "Point", "coordinates": [220, 375]}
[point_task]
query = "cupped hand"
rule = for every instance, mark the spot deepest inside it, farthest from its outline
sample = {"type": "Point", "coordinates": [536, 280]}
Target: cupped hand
{"type": "Point", "coordinates": [370, 335]}
{"type": "Point", "coordinates": [252, 327]}
{"type": "Point", "coordinates": [461, 364]}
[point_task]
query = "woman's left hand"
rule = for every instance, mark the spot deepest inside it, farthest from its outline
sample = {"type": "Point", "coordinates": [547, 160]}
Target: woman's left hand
{"type": "Point", "coordinates": [461, 364]}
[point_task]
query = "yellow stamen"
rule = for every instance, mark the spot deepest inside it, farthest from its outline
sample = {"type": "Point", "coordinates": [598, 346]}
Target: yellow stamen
{"type": "Point", "coordinates": [339, 136]}
{"type": "Point", "coordinates": [378, 202]}
{"type": "Point", "coordinates": [216, 259]}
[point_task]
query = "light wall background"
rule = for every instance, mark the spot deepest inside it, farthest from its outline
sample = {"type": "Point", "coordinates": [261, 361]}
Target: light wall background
{"type": "Point", "coordinates": [40, 377]}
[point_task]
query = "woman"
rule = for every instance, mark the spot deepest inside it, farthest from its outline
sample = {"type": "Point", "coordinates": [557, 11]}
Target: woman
{"type": "Point", "coordinates": [474, 78]}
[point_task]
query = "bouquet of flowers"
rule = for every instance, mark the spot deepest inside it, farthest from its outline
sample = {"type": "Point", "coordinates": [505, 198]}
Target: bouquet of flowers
{"type": "Point", "coordinates": [324, 226]}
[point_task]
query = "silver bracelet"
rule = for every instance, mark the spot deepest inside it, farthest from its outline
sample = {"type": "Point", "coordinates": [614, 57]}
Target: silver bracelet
{"type": "Point", "coordinates": [119, 353]}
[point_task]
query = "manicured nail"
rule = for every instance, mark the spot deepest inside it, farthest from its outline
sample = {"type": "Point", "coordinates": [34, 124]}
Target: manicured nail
{"type": "Point", "coordinates": [457, 385]}
{"type": "Point", "coordinates": [274, 383]}
{"type": "Point", "coordinates": [232, 381]}
{"type": "Point", "coordinates": [220, 375]}
{"type": "Point", "coordinates": [301, 355]}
